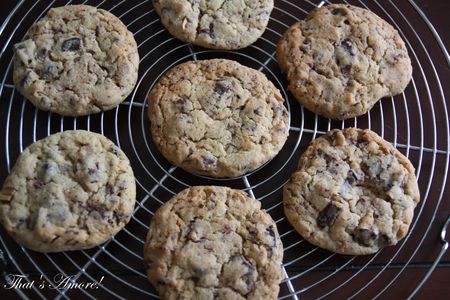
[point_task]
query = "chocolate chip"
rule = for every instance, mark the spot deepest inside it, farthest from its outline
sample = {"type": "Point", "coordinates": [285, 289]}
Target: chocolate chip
{"type": "Point", "coordinates": [222, 86]}
{"type": "Point", "coordinates": [115, 150]}
{"type": "Point", "coordinates": [37, 184]}
{"type": "Point", "coordinates": [258, 111]}
{"type": "Point", "coordinates": [270, 231]}
{"type": "Point", "coordinates": [120, 218]}
{"type": "Point", "coordinates": [384, 240]}
{"type": "Point", "coordinates": [397, 57]}
{"type": "Point", "coordinates": [72, 44]}
{"type": "Point", "coordinates": [347, 45]}
{"type": "Point", "coordinates": [109, 189]}
{"type": "Point", "coordinates": [42, 53]}
{"type": "Point", "coordinates": [208, 31]}
{"type": "Point", "coordinates": [208, 161]}
{"type": "Point", "coordinates": [352, 177]}
{"type": "Point", "coordinates": [227, 229]}
{"type": "Point", "coordinates": [338, 12]}
{"type": "Point", "coordinates": [49, 72]}
{"type": "Point", "coordinates": [364, 236]}
{"type": "Point", "coordinates": [328, 215]}
{"type": "Point", "coordinates": [346, 70]}
{"type": "Point", "coordinates": [26, 80]}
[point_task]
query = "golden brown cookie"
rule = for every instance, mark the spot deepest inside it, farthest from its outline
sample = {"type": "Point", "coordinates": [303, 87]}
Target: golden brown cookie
{"type": "Point", "coordinates": [72, 190]}
{"type": "Point", "coordinates": [353, 193]}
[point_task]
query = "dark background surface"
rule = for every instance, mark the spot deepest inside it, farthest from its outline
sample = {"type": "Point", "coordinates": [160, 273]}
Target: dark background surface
{"type": "Point", "coordinates": [438, 286]}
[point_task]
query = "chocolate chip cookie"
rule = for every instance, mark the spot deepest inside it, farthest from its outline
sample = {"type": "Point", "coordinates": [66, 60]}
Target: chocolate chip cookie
{"type": "Point", "coordinates": [212, 242]}
{"type": "Point", "coordinates": [72, 190]}
{"type": "Point", "coordinates": [353, 193]}
{"type": "Point", "coordinates": [342, 59]}
{"type": "Point", "coordinates": [216, 24]}
{"type": "Point", "coordinates": [76, 61]}
{"type": "Point", "coordinates": [217, 118]}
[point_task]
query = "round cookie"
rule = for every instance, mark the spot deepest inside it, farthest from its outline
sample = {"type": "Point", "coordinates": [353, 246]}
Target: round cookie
{"type": "Point", "coordinates": [342, 59]}
{"type": "Point", "coordinates": [217, 118]}
{"type": "Point", "coordinates": [217, 24]}
{"type": "Point", "coordinates": [213, 242]}
{"type": "Point", "coordinates": [76, 61]}
{"type": "Point", "coordinates": [72, 190]}
{"type": "Point", "coordinates": [353, 193]}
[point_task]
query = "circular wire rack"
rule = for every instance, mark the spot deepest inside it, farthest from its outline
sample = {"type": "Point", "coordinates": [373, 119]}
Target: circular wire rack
{"type": "Point", "coordinates": [416, 122]}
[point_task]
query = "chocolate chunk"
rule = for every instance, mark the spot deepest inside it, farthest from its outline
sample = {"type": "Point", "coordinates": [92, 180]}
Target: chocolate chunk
{"type": "Point", "coordinates": [222, 86]}
{"type": "Point", "coordinates": [338, 12]}
{"type": "Point", "coordinates": [26, 80]}
{"type": "Point", "coordinates": [227, 229]}
{"type": "Point", "coordinates": [73, 44]}
{"type": "Point", "coordinates": [347, 45]}
{"type": "Point", "coordinates": [120, 218]}
{"type": "Point", "coordinates": [364, 236]}
{"type": "Point", "coordinates": [352, 177]}
{"type": "Point", "coordinates": [42, 53]}
{"type": "Point", "coordinates": [384, 240]}
{"type": "Point", "coordinates": [208, 31]}
{"type": "Point", "coordinates": [37, 184]}
{"type": "Point", "coordinates": [109, 189]}
{"type": "Point", "coordinates": [49, 72]}
{"type": "Point", "coordinates": [183, 107]}
{"type": "Point", "coordinates": [258, 111]}
{"type": "Point", "coordinates": [328, 215]}
{"type": "Point", "coordinates": [346, 70]}
{"type": "Point", "coordinates": [115, 150]}
{"type": "Point", "coordinates": [208, 161]}
{"type": "Point", "coordinates": [271, 232]}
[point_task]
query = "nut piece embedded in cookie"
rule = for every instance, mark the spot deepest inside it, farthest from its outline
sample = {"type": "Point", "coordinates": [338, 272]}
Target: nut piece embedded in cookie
{"type": "Point", "coordinates": [353, 193]}
{"type": "Point", "coordinates": [72, 190]}
{"type": "Point", "coordinates": [75, 61]}
{"type": "Point", "coordinates": [223, 24]}
{"type": "Point", "coordinates": [342, 59]}
{"type": "Point", "coordinates": [210, 242]}
{"type": "Point", "coordinates": [217, 118]}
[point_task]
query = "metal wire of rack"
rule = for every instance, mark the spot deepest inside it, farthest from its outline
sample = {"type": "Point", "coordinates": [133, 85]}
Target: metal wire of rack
{"type": "Point", "coordinates": [416, 122]}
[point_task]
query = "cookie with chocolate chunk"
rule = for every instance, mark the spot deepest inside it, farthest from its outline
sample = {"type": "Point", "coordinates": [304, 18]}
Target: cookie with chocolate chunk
{"type": "Point", "coordinates": [342, 59]}
{"type": "Point", "coordinates": [353, 193]}
{"type": "Point", "coordinates": [211, 242]}
{"type": "Point", "coordinates": [216, 24]}
{"type": "Point", "coordinates": [217, 118]}
{"type": "Point", "coordinates": [72, 190]}
{"type": "Point", "coordinates": [76, 61]}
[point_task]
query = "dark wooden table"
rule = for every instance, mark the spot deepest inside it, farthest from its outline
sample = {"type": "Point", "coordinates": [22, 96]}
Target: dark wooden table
{"type": "Point", "coordinates": [438, 286]}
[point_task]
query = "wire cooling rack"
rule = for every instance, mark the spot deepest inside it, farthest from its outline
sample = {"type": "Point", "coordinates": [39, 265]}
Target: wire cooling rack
{"type": "Point", "coordinates": [416, 122]}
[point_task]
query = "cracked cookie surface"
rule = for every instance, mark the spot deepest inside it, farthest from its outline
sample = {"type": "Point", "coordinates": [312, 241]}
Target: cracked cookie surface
{"type": "Point", "coordinates": [76, 61]}
{"type": "Point", "coordinates": [212, 242]}
{"type": "Point", "coordinates": [217, 24]}
{"type": "Point", "coordinates": [217, 118]}
{"type": "Point", "coordinates": [72, 190]}
{"type": "Point", "coordinates": [353, 193]}
{"type": "Point", "coordinates": [342, 59]}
